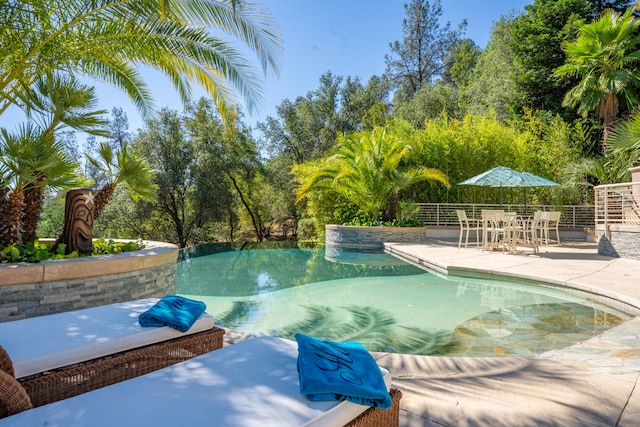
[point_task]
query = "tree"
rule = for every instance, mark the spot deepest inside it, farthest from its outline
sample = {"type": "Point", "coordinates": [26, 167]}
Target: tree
{"type": "Point", "coordinates": [28, 159]}
{"type": "Point", "coordinates": [492, 86]}
{"type": "Point", "coordinates": [367, 169]}
{"type": "Point", "coordinates": [307, 127]}
{"type": "Point", "coordinates": [460, 63]}
{"type": "Point", "coordinates": [204, 172]}
{"type": "Point", "coordinates": [117, 138]}
{"type": "Point", "coordinates": [118, 128]}
{"type": "Point", "coordinates": [357, 102]}
{"type": "Point", "coordinates": [122, 167]}
{"type": "Point", "coordinates": [604, 58]}
{"type": "Point", "coordinates": [170, 154]}
{"type": "Point", "coordinates": [56, 101]}
{"type": "Point", "coordinates": [420, 58]}
{"type": "Point", "coordinates": [227, 164]}
{"type": "Point", "coordinates": [536, 45]}
{"type": "Point", "coordinates": [108, 40]}
{"type": "Point", "coordinates": [429, 103]}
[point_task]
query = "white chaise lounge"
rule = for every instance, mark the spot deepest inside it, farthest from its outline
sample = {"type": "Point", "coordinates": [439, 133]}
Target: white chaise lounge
{"type": "Point", "coordinates": [65, 354]}
{"type": "Point", "coordinates": [250, 384]}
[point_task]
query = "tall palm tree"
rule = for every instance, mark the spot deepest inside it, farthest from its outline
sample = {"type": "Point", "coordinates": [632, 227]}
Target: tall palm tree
{"type": "Point", "coordinates": [125, 168]}
{"type": "Point", "coordinates": [605, 58]}
{"type": "Point", "coordinates": [367, 168]}
{"type": "Point", "coordinates": [110, 40]}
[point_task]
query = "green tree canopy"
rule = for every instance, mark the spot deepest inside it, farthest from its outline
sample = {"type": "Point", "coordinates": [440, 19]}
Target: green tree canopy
{"type": "Point", "coordinates": [536, 45]}
{"type": "Point", "coordinates": [605, 59]}
{"type": "Point", "coordinates": [368, 169]}
{"type": "Point", "coordinates": [110, 40]}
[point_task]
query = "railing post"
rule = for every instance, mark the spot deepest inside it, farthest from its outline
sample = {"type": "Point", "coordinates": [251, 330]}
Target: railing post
{"type": "Point", "coordinates": [607, 233]}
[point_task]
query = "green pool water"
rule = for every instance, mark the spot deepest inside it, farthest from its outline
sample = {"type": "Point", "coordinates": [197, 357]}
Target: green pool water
{"type": "Point", "coordinates": [384, 303]}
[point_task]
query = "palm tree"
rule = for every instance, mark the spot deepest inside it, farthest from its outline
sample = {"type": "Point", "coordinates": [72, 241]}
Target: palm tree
{"type": "Point", "coordinates": [605, 57]}
{"type": "Point", "coordinates": [56, 101]}
{"type": "Point", "coordinates": [367, 168]}
{"type": "Point", "coordinates": [29, 160]}
{"type": "Point", "coordinates": [626, 134]}
{"type": "Point", "coordinates": [126, 168]}
{"type": "Point", "coordinates": [109, 40]}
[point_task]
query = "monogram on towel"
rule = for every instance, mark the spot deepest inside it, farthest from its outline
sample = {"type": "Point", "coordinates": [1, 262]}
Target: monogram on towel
{"type": "Point", "coordinates": [340, 371]}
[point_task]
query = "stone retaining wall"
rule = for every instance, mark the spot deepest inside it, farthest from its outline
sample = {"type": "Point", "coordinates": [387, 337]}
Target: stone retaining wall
{"type": "Point", "coordinates": [31, 290]}
{"type": "Point", "coordinates": [370, 238]}
{"type": "Point", "coordinates": [623, 241]}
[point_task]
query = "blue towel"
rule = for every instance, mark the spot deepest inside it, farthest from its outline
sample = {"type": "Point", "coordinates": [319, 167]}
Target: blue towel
{"type": "Point", "coordinates": [340, 371]}
{"type": "Point", "coordinates": [174, 311]}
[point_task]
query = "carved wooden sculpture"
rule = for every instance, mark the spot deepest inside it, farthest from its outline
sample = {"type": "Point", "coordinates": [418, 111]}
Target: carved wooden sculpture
{"type": "Point", "coordinates": [78, 221]}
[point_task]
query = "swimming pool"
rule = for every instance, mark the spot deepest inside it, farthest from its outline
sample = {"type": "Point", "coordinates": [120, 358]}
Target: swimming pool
{"type": "Point", "coordinates": [384, 303]}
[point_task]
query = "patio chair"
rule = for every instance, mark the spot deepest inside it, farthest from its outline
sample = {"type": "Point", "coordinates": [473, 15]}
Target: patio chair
{"type": "Point", "coordinates": [62, 355]}
{"type": "Point", "coordinates": [552, 223]}
{"type": "Point", "coordinates": [533, 230]}
{"type": "Point", "coordinates": [253, 383]}
{"type": "Point", "coordinates": [466, 226]}
{"type": "Point", "coordinates": [493, 232]}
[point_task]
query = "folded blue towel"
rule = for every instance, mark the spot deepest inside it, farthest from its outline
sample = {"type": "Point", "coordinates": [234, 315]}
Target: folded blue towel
{"type": "Point", "coordinates": [174, 311]}
{"type": "Point", "coordinates": [340, 371]}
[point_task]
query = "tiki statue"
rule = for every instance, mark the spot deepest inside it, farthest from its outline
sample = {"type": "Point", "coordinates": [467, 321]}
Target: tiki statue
{"type": "Point", "coordinates": [78, 221]}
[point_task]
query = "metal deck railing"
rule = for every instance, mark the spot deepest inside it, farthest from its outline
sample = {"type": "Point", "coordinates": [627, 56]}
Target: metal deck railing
{"type": "Point", "coordinates": [617, 204]}
{"type": "Point", "coordinates": [444, 214]}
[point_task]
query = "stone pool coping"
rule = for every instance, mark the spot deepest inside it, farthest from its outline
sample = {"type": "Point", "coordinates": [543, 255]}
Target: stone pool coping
{"type": "Point", "coordinates": [574, 265]}
{"type": "Point", "coordinates": [154, 254]}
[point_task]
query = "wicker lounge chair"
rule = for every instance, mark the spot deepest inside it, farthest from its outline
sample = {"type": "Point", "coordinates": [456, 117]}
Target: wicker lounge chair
{"type": "Point", "coordinates": [62, 355]}
{"type": "Point", "coordinates": [253, 383]}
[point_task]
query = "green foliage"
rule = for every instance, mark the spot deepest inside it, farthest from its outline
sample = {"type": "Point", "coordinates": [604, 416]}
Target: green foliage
{"type": "Point", "coordinates": [604, 58]}
{"type": "Point", "coordinates": [367, 221]}
{"type": "Point", "coordinates": [34, 252]}
{"type": "Point", "coordinates": [429, 103]}
{"type": "Point", "coordinates": [31, 252]}
{"type": "Point", "coordinates": [536, 46]}
{"type": "Point", "coordinates": [492, 87]}
{"type": "Point", "coordinates": [108, 39]}
{"type": "Point", "coordinates": [626, 134]}
{"type": "Point", "coordinates": [306, 128]}
{"type": "Point", "coordinates": [461, 62]}
{"type": "Point", "coordinates": [369, 169]}
{"type": "Point", "coordinates": [105, 247]}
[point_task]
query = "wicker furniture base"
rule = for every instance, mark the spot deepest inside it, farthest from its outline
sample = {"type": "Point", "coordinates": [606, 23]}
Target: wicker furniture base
{"type": "Point", "coordinates": [69, 381]}
{"type": "Point", "coordinates": [380, 417]}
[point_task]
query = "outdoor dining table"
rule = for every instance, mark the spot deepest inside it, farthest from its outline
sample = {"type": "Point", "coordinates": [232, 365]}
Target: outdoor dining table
{"type": "Point", "coordinates": [507, 231]}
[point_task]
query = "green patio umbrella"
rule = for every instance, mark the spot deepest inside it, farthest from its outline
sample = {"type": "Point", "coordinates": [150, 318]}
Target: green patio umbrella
{"type": "Point", "coordinates": [502, 176]}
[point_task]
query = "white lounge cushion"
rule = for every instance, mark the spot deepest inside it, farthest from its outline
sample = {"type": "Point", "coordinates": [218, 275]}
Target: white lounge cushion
{"type": "Point", "coordinates": [48, 342]}
{"type": "Point", "coordinates": [250, 384]}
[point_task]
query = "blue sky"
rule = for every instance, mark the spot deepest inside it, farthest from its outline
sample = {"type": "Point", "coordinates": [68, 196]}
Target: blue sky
{"type": "Point", "coordinates": [348, 37]}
